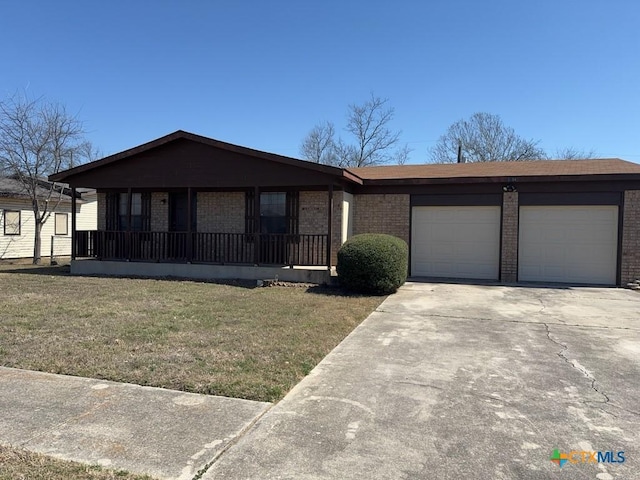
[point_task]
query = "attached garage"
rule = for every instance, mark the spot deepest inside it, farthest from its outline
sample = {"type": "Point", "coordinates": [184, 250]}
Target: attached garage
{"type": "Point", "coordinates": [455, 241]}
{"type": "Point", "coordinates": [568, 244]}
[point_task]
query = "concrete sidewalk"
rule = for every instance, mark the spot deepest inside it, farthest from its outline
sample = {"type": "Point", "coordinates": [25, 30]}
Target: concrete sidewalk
{"type": "Point", "coordinates": [163, 433]}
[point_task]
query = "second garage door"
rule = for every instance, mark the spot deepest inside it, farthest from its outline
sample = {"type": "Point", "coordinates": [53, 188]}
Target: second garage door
{"type": "Point", "coordinates": [456, 242]}
{"type": "Point", "coordinates": [568, 244]}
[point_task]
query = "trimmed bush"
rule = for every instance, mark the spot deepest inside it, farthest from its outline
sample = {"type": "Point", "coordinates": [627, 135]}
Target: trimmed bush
{"type": "Point", "coordinates": [373, 263]}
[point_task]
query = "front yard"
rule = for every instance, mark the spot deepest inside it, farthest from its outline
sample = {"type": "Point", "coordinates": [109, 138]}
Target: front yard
{"type": "Point", "coordinates": [17, 464]}
{"type": "Point", "coordinates": [231, 340]}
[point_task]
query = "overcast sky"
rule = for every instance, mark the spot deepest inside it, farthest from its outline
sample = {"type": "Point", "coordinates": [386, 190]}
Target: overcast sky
{"type": "Point", "coordinates": [262, 73]}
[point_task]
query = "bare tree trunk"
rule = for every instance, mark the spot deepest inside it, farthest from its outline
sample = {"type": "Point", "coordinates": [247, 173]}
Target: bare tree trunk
{"type": "Point", "coordinates": [37, 241]}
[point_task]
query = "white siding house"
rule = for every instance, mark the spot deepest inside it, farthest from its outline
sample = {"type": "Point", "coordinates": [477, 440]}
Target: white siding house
{"type": "Point", "coordinates": [17, 223]}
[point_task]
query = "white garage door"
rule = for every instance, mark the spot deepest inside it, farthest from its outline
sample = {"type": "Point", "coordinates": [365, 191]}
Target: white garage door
{"type": "Point", "coordinates": [568, 244]}
{"type": "Point", "coordinates": [455, 242]}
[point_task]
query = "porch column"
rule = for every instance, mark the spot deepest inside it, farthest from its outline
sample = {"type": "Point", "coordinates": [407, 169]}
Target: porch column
{"type": "Point", "coordinates": [128, 234]}
{"type": "Point", "coordinates": [189, 226]}
{"type": "Point", "coordinates": [74, 247]}
{"type": "Point", "coordinates": [329, 223]}
{"type": "Point", "coordinates": [256, 225]}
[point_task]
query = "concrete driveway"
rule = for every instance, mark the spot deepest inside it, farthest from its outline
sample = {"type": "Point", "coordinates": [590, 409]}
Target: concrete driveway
{"type": "Point", "coordinates": [450, 381]}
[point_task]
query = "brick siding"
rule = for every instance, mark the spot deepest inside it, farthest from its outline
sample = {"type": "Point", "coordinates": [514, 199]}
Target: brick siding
{"type": "Point", "coordinates": [159, 212]}
{"type": "Point", "coordinates": [313, 217]}
{"type": "Point", "coordinates": [102, 211]}
{"type": "Point", "coordinates": [382, 213]}
{"type": "Point", "coordinates": [509, 253]}
{"type": "Point", "coordinates": [630, 270]}
{"type": "Point", "coordinates": [221, 212]}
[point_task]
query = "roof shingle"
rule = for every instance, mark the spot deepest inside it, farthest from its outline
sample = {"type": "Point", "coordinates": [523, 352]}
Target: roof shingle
{"type": "Point", "coordinates": [606, 166]}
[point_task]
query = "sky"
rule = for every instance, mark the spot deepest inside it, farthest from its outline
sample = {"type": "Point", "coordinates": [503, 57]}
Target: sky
{"type": "Point", "coordinates": [262, 73]}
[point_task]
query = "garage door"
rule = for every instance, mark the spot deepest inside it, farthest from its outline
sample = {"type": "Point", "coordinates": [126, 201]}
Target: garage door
{"type": "Point", "coordinates": [568, 244]}
{"type": "Point", "coordinates": [455, 242]}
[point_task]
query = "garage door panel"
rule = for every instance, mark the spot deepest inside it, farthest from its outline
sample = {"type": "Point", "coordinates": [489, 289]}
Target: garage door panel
{"type": "Point", "coordinates": [455, 242]}
{"type": "Point", "coordinates": [569, 244]}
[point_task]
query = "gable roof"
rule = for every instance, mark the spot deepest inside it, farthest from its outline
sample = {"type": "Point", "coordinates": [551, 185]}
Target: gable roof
{"type": "Point", "coordinates": [486, 170]}
{"type": "Point", "coordinates": [182, 135]}
{"type": "Point", "coordinates": [12, 188]}
{"type": "Point", "coordinates": [541, 170]}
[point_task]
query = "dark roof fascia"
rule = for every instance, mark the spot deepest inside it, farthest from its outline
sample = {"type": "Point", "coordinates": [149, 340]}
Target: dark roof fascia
{"type": "Point", "coordinates": [180, 134]}
{"type": "Point", "coordinates": [505, 179]}
{"type": "Point", "coordinates": [352, 177]}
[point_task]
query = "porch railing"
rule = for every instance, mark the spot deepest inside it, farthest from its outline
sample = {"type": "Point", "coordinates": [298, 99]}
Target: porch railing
{"type": "Point", "coordinates": [202, 247]}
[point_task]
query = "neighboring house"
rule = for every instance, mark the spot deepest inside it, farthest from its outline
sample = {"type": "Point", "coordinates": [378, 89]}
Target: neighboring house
{"type": "Point", "coordinates": [188, 205]}
{"type": "Point", "coordinates": [17, 222]}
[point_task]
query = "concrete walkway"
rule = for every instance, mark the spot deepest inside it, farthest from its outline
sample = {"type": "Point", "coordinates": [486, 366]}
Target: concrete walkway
{"type": "Point", "coordinates": [164, 433]}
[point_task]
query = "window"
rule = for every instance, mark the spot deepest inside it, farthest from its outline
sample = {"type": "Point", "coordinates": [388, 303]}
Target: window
{"type": "Point", "coordinates": [117, 216]}
{"type": "Point", "coordinates": [273, 212]}
{"type": "Point", "coordinates": [61, 224]}
{"type": "Point", "coordinates": [136, 211]}
{"type": "Point", "coordinates": [278, 212]}
{"type": "Point", "coordinates": [12, 222]}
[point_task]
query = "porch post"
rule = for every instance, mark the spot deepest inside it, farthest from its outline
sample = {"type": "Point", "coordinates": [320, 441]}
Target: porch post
{"type": "Point", "coordinates": [256, 225]}
{"type": "Point", "coordinates": [74, 248]}
{"type": "Point", "coordinates": [128, 234]}
{"type": "Point", "coordinates": [329, 224]}
{"type": "Point", "coordinates": [189, 226]}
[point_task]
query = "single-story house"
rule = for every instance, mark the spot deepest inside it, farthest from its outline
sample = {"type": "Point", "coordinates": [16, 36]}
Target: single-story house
{"type": "Point", "coordinates": [188, 205]}
{"type": "Point", "coordinates": [17, 221]}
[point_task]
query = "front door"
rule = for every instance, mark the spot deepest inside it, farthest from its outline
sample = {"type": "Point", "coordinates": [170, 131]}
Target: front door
{"type": "Point", "coordinates": [178, 224]}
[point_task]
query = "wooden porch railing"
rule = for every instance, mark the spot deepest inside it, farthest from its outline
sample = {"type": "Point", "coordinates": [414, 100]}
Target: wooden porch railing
{"type": "Point", "coordinates": [202, 247]}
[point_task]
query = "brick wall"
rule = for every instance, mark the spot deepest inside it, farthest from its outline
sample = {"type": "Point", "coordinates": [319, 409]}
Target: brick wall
{"type": "Point", "coordinates": [509, 253]}
{"type": "Point", "coordinates": [313, 217]}
{"type": "Point", "coordinates": [313, 212]}
{"type": "Point", "coordinates": [630, 270]}
{"type": "Point", "coordinates": [221, 212]}
{"type": "Point", "coordinates": [159, 212]}
{"type": "Point", "coordinates": [102, 211]}
{"type": "Point", "coordinates": [382, 213]}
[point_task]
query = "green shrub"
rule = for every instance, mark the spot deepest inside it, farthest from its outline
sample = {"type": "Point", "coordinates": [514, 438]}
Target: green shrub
{"type": "Point", "coordinates": [373, 263]}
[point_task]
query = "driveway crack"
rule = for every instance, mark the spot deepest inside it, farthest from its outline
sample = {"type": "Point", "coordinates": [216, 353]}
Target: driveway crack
{"type": "Point", "coordinates": [576, 366]}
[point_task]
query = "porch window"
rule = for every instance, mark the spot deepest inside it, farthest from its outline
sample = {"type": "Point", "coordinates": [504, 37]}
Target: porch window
{"type": "Point", "coordinates": [117, 214]}
{"type": "Point", "coordinates": [278, 212]}
{"type": "Point", "coordinates": [273, 212]}
{"type": "Point", "coordinates": [12, 222]}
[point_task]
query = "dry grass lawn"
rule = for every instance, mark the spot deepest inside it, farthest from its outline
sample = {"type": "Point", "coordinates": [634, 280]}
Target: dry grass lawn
{"type": "Point", "coordinates": [16, 464]}
{"type": "Point", "coordinates": [253, 343]}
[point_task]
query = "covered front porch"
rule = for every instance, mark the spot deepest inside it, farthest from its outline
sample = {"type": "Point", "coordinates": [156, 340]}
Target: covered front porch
{"type": "Point", "coordinates": [187, 205]}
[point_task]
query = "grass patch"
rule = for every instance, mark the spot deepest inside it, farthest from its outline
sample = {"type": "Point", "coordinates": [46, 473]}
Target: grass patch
{"type": "Point", "coordinates": [253, 343]}
{"type": "Point", "coordinates": [17, 464]}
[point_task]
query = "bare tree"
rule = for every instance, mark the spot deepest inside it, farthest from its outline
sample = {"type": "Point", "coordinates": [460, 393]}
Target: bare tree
{"type": "Point", "coordinates": [319, 144]}
{"type": "Point", "coordinates": [484, 138]}
{"type": "Point", "coordinates": [402, 155]}
{"type": "Point", "coordinates": [571, 153]}
{"type": "Point", "coordinates": [38, 138]}
{"type": "Point", "coordinates": [368, 124]}
{"type": "Point", "coordinates": [373, 144]}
